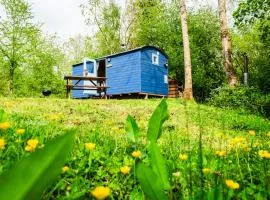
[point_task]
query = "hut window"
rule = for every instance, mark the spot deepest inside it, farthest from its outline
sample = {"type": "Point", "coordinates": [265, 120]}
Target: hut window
{"type": "Point", "coordinates": [165, 79]}
{"type": "Point", "coordinates": [155, 58]}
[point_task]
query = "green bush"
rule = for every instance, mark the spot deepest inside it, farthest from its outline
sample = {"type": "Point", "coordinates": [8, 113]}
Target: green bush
{"type": "Point", "coordinates": [243, 98]}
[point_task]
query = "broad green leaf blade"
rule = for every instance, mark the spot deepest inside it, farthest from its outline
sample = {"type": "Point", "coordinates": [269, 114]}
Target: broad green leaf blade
{"type": "Point", "coordinates": [156, 121]}
{"type": "Point", "coordinates": [136, 195]}
{"type": "Point", "coordinates": [132, 129]}
{"type": "Point", "coordinates": [159, 165]}
{"type": "Point", "coordinates": [150, 182]}
{"type": "Point", "coordinates": [33, 174]}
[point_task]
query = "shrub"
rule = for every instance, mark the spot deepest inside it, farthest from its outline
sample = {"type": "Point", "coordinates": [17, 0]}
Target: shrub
{"type": "Point", "coordinates": [243, 98]}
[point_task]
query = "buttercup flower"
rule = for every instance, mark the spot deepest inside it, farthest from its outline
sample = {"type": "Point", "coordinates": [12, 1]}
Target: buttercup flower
{"type": "Point", "coordinates": [31, 145]}
{"type": "Point", "coordinates": [65, 169]}
{"type": "Point", "coordinates": [252, 133]}
{"type": "Point", "coordinates": [221, 153]}
{"type": "Point", "coordinates": [101, 192]}
{"type": "Point", "coordinates": [231, 184]}
{"type": "Point", "coordinates": [4, 126]}
{"type": "Point", "coordinates": [125, 170]}
{"type": "Point", "coordinates": [20, 131]}
{"type": "Point", "coordinates": [136, 154]}
{"type": "Point", "coordinates": [264, 154]}
{"type": "Point", "coordinates": [206, 170]}
{"type": "Point", "coordinates": [2, 143]}
{"type": "Point", "coordinates": [183, 156]}
{"type": "Point", "coordinates": [90, 146]}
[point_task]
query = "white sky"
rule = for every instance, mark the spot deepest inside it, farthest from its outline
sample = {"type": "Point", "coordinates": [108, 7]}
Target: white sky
{"type": "Point", "coordinates": [64, 17]}
{"type": "Point", "coordinates": [61, 16]}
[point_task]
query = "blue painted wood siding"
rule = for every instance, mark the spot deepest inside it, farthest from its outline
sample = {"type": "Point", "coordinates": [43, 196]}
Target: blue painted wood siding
{"type": "Point", "coordinates": [77, 70]}
{"type": "Point", "coordinates": [124, 74]}
{"type": "Point", "coordinates": [152, 76]}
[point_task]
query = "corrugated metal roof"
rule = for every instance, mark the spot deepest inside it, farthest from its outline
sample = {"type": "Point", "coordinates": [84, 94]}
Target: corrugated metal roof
{"type": "Point", "coordinates": [125, 52]}
{"type": "Point", "coordinates": [133, 50]}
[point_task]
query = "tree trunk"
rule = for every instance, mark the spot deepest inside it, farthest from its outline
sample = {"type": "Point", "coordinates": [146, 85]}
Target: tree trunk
{"type": "Point", "coordinates": [188, 94]}
{"type": "Point", "coordinates": [226, 44]}
{"type": "Point", "coordinates": [11, 77]}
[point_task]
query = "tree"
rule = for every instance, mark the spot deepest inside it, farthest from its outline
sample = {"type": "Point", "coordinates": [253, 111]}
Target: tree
{"type": "Point", "coordinates": [188, 93]}
{"type": "Point", "coordinates": [252, 19]}
{"type": "Point", "coordinates": [105, 15]}
{"type": "Point", "coordinates": [16, 32]}
{"type": "Point", "coordinates": [226, 44]}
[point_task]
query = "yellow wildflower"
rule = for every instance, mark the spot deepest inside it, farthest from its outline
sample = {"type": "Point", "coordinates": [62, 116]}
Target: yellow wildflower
{"type": "Point", "coordinates": [183, 156]}
{"type": "Point", "coordinates": [221, 153]}
{"type": "Point", "coordinates": [136, 154]}
{"type": "Point", "coordinates": [231, 184]}
{"type": "Point", "coordinates": [2, 143]}
{"type": "Point", "coordinates": [125, 170]}
{"type": "Point", "coordinates": [4, 126]}
{"type": "Point", "coordinates": [206, 170]}
{"type": "Point", "coordinates": [90, 146]}
{"type": "Point", "coordinates": [252, 133]}
{"type": "Point", "coordinates": [268, 134]}
{"type": "Point", "coordinates": [264, 154]}
{"type": "Point", "coordinates": [20, 131]}
{"type": "Point", "coordinates": [31, 145]}
{"type": "Point", "coordinates": [238, 140]}
{"type": "Point", "coordinates": [101, 192]}
{"type": "Point", "coordinates": [65, 169]}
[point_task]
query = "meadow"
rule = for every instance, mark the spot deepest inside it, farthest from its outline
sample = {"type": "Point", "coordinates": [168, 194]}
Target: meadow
{"type": "Point", "coordinates": [209, 153]}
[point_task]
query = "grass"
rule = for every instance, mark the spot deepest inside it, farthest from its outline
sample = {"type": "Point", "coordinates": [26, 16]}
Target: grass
{"type": "Point", "coordinates": [102, 122]}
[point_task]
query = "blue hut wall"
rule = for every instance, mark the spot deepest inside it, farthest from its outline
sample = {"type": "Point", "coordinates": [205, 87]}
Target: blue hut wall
{"type": "Point", "coordinates": [154, 76]}
{"type": "Point", "coordinates": [124, 73]}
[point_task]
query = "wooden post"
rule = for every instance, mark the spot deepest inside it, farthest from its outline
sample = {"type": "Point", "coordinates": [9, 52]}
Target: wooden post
{"type": "Point", "coordinates": [67, 89]}
{"type": "Point", "coordinates": [146, 96]}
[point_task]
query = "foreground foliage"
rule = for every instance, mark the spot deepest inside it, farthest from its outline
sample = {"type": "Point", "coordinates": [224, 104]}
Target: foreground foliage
{"type": "Point", "coordinates": [203, 152]}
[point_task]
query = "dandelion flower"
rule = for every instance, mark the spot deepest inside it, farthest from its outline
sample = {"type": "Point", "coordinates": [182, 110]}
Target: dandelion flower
{"type": "Point", "coordinates": [2, 143]}
{"type": "Point", "coordinates": [125, 170]}
{"type": "Point", "coordinates": [31, 145]}
{"type": "Point", "coordinates": [231, 184]}
{"type": "Point", "coordinates": [65, 169]}
{"type": "Point", "coordinates": [238, 140]}
{"type": "Point", "coordinates": [136, 154]}
{"type": "Point", "coordinates": [20, 131]}
{"type": "Point", "coordinates": [252, 133]}
{"type": "Point", "coordinates": [101, 192]}
{"type": "Point", "coordinates": [4, 126]}
{"type": "Point", "coordinates": [90, 146]}
{"type": "Point", "coordinates": [183, 156]}
{"type": "Point", "coordinates": [221, 153]}
{"type": "Point", "coordinates": [206, 170]}
{"type": "Point", "coordinates": [264, 154]}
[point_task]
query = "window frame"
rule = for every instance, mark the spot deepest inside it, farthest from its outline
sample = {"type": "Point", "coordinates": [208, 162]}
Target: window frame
{"type": "Point", "coordinates": [155, 58]}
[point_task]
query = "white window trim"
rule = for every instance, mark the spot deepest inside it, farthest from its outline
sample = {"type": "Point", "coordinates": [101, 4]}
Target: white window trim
{"type": "Point", "coordinates": [157, 58]}
{"type": "Point", "coordinates": [166, 79]}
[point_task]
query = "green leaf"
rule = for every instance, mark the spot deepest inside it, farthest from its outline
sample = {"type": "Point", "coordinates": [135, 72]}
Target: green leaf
{"type": "Point", "coordinates": [150, 182]}
{"type": "Point", "coordinates": [132, 129]}
{"type": "Point", "coordinates": [2, 115]}
{"type": "Point", "coordinates": [33, 174]}
{"type": "Point", "coordinates": [156, 121]}
{"type": "Point", "coordinates": [136, 195]}
{"type": "Point", "coordinates": [159, 165]}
